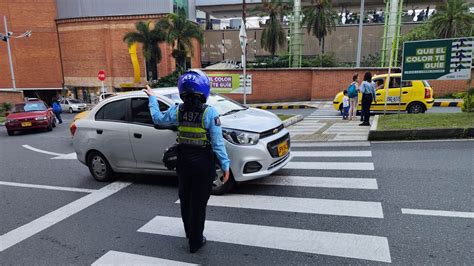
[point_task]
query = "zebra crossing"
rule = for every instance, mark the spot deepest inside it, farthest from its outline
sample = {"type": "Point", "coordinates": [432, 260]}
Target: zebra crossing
{"type": "Point", "coordinates": [344, 244]}
{"type": "Point", "coordinates": [329, 125]}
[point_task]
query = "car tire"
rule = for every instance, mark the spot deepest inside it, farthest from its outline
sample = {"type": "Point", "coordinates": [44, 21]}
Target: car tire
{"type": "Point", "coordinates": [416, 108]}
{"type": "Point", "coordinates": [70, 110]}
{"type": "Point", "coordinates": [10, 132]}
{"type": "Point", "coordinates": [53, 122]}
{"type": "Point", "coordinates": [99, 167]}
{"type": "Point", "coordinates": [218, 185]}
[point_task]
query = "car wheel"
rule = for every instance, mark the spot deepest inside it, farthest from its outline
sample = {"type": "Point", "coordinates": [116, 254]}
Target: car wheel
{"type": "Point", "coordinates": [10, 132]}
{"type": "Point", "coordinates": [99, 167]}
{"type": "Point", "coordinates": [218, 185]}
{"type": "Point", "coordinates": [416, 108]}
{"type": "Point", "coordinates": [70, 110]}
{"type": "Point", "coordinates": [53, 122]}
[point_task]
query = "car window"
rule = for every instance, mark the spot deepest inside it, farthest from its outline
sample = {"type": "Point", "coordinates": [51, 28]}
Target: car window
{"type": "Point", "coordinates": [426, 83]}
{"type": "Point", "coordinates": [29, 107]}
{"type": "Point", "coordinates": [74, 101]}
{"type": "Point", "coordinates": [395, 83]}
{"type": "Point", "coordinates": [141, 111]}
{"type": "Point", "coordinates": [378, 83]}
{"type": "Point", "coordinates": [113, 111]}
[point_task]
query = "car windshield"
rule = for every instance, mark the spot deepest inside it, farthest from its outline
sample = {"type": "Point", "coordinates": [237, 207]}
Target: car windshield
{"type": "Point", "coordinates": [222, 104]}
{"type": "Point", "coordinates": [29, 107]}
{"type": "Point", "coordinates": [74, 101]}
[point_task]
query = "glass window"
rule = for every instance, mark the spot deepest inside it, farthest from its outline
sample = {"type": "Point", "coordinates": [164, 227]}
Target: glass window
{"type": "Point", "coordinates": [180, 4]}
{"type": "Point", "coordinates": [29, 107]}
{"type": "Point", "coordinates": [395, 83]}
{"type": "Point", "coordinates": [140, 111]}
{"type": "Point", "coordinates": [114, 111]}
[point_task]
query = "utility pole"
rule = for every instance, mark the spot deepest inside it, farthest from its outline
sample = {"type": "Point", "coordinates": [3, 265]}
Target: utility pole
{"type": "Point", "coordinates": [7, 35]}
{"type": "Point", "coordinates": [243, 42]}
{"type": "Point", "coordinates": [359, 39]}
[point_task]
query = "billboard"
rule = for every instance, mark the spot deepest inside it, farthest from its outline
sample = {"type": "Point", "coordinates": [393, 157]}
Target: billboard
{"type": "Point", "coordinates": [445, 59]}
{"type": "Point", "coordinates": [229, 83]}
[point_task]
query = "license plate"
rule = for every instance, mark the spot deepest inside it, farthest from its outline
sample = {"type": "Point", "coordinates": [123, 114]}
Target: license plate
{"type": "Point", "coordinates": [282, 148]}
{"type": "Point", "coordinates": [26, 124]}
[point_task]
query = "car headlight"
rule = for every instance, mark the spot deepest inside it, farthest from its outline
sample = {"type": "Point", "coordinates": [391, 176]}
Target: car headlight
{"type": "Point", "coordinates": [240, 137]}
{"type": "Point", "coordinates": [40, 118]}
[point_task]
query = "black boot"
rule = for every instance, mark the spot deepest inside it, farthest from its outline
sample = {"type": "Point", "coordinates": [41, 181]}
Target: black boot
{"type": "Point", "coordinates": [195, 248]}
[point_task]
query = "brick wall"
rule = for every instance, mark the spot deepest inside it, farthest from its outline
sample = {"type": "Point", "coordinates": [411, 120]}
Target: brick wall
{"type": "Point", "coordinates": [88, 45]}
{"type": "Point", "coordinates": [11, 97]}
{"type": "Point", "coordinates": [277, 85]}
{"type": "Point", "coordinates": [36, 59]}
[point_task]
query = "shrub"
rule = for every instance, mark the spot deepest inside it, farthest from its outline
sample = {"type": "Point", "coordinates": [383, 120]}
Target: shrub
{"type": "Point", "coordinates": [5, 107]}
{"type": "Point", "coordinates": [468, 105]}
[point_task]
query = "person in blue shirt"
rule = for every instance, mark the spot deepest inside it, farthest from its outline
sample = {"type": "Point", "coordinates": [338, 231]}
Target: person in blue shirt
{"type": "Point", "coordinates": [199, 139]}
{"type": "Point", "coordinates": [367, 89]}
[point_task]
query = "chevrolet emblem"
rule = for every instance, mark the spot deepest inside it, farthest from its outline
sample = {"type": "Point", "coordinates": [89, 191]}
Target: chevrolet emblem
{"type": "Point", "coordinates": [275, 131]}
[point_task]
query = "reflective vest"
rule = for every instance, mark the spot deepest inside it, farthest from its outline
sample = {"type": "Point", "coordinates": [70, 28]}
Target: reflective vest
{"type": "Point", "coordinates": [191, 129]}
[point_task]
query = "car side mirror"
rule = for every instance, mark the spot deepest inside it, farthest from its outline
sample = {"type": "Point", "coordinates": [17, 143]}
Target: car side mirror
{"type": "Point", "coordinates": [161, 127]}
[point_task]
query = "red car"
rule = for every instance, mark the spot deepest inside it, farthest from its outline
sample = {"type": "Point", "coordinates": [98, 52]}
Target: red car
{"type": "Point", "coordinates": [30, 115]}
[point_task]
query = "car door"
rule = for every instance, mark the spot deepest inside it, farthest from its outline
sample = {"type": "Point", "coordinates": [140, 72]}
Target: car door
{"type": "Point", "coordinates": [380, 86]}
{"type": "Point", "coordinates": [393, 97]}
{"type": "Point", "coordinates": [148, 143]}
{"type": "Point", "coordinates": [63, 104]}
{"type": "Point", "coordinates": [111, 137]}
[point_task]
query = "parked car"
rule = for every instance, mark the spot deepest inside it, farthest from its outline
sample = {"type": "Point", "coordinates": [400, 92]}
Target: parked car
{"type": "Point", "coordinates": [118, 136]}
{"type": "Point", "coordinates": [73, 105]}
{"type": "Point", "coordinates": [30, 115]}
{"type": "Point", "coordinates": [417, 95]}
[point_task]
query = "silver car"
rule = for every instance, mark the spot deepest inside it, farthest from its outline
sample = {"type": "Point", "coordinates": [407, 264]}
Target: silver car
{"type": "Point", "coordinates": [72, 105]}
{"type": "Point", "coordinates": [118, 136]}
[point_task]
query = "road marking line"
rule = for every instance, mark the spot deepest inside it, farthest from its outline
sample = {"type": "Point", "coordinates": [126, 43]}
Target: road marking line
{"type": "Point", "coordinates": [356, 246]}
{"type": "Point", "coordinates": [330, 165]}
{"type": "Point", "coordinates": [70, 156]}
{"type": "Point", "coordinates": [71, 189]}
{"type": "Point", "coordinates": [438, 213]}
{"type": "Point", "coordinates": [422, 141]}
{"type": "Point", "coordinates": [25, 231]}
{"type": "Point", "coordinates": [331, 153]}
{"type": "Point", "coordinates": [314, 181]}
{"type": "Point", "coordinates": [351, 208]}
{"type": "Point", "coordinates": [121, 258]}
{"type": "Point", "coordinates": [41, 151]}
{"type": "Point", "coordinates": [310, 144]}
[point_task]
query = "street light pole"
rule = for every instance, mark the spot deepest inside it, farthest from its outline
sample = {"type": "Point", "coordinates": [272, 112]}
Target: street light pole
{"type": "Point", "coordinates": [359, 38]}
{"type": "Point", "coordinates": [7, 35]}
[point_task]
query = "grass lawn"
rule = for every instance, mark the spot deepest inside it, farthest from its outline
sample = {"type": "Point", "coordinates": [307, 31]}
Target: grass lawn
{"type": "Point", "coordinates": [417, 121]}
{"type": "Point", "coordinates": [2, 119]}
{"type": "Point", "coordinates": [284, 117]}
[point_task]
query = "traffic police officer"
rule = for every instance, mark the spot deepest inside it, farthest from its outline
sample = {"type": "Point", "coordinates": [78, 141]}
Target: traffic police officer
{"type": "Point", "coordinates": [199, 138]}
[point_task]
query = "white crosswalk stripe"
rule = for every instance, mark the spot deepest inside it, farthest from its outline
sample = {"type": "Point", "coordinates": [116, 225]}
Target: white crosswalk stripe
{"type": "Point", "coordinates": [314, 181]}
{"type": "Point", "coordinates": [338, 244]}
{"type": "Point", "coordinates": [316, 242]}
{"type": "Point", "coordinates": [122, 258]}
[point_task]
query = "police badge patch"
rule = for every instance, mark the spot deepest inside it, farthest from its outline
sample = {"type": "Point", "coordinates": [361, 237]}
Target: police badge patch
{"type": "Point", "coordinates": [217, 121]}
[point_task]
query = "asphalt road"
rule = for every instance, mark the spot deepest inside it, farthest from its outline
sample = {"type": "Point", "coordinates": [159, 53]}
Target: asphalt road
{"type": "Point", "coordinates": [301, 223]}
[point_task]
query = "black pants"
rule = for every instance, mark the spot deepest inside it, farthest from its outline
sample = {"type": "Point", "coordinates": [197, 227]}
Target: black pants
{"type": "Point", "coordinates": [366, 103]}
{"type": "Point", "coordinates": [196, 170]}
{"type": "Point", "coordinates": [58, 116]}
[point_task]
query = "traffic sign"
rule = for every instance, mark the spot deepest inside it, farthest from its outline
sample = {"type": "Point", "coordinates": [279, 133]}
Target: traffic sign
{"type": "Point", "coordinates": [101, 75]}
{"type": "Point", "coordinates": [445, 59]}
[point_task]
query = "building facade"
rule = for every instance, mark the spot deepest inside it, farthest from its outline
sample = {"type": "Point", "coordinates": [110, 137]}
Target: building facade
{"type": "Point", "coordinates": [73, 40]}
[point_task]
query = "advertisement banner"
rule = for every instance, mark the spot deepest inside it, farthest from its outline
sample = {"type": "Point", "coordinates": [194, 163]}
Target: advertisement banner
{"type": "Point", "coordinates": [445, 59]}
{"type": "Point", "coordinates": [229, 83]}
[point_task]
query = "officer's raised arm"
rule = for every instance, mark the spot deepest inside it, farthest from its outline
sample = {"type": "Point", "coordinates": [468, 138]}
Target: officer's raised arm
{"type": "Point", "coordinates": [167, 117]}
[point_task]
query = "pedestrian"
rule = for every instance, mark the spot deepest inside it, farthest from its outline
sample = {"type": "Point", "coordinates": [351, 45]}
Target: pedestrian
{"type": "Point", "coordinates": [353, 94]}
{"type": "Point", "coordinates": [345, 106]}
{"type": "Point", "coordinates": [57, 109]}
{"type": "Point", "coordinates": [199, 139]}
{"type": "Point", "coordinates": [367, 89]}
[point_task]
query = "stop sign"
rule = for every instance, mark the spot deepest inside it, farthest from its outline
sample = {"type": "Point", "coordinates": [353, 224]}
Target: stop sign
{"type": "Point", "coordinates": [101, 75]}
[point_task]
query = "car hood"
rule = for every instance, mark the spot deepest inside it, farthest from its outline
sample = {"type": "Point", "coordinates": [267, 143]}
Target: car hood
{"type": "Point", "coordinates": [252, 119]}
{"type": "Point", "coordinates": [26, 115]}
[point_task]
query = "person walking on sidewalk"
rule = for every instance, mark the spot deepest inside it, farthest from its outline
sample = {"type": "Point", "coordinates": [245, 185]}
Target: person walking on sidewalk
{"type": "Point", "coordinates": [199, 141]}
{"type": "Point", "coordinates": [345, 106]}
{"type": "Point", "coordinates": [353, 94]}
{"type": "Point", "coordinates": [57, 109]}
{"type": "Point", "coordinates": [368, 95]}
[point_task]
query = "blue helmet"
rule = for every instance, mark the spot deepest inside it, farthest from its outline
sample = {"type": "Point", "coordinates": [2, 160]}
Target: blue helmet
{"type": "Point", "coordinates": [194, 81]}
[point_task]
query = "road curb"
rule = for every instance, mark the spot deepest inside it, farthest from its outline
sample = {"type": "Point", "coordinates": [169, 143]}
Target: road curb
{"type": "Point", "coordinates": [284, 106]}
{"type": "Point", "coordinates": [293, 120]}
{"type": "Point", "coordinates": [448, 104]}
{"type": "Point", "coordinates": [375, 122]}
{"type": "Point", "coordinates": [415, 134]}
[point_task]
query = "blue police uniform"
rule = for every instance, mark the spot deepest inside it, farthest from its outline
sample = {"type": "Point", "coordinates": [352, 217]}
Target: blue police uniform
{"type": "Point", "coordinates": [200, 140]}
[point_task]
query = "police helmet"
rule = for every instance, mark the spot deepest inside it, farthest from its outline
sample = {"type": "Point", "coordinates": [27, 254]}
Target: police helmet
{"type": "Point", "coordinates": [196, 82]}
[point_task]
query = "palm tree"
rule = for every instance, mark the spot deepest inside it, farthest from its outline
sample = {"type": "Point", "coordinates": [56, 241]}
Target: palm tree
{"type": "Point", "coordinates": [452, 19]}
{"type": "Point", "coordinates": [272, 34]}
{"type": "Point", "coordinates": [150, 39]}
{"type": "Point", "coordinates": [320, 18]}
{"type": "Point", "coordinates": [180, 34]}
